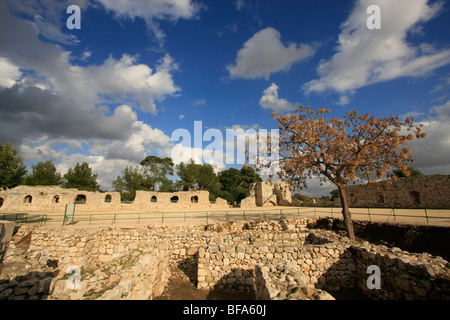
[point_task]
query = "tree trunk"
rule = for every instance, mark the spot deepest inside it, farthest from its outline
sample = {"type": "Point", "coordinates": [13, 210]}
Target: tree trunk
{"type": "Point", "coordinates": [346, 212]}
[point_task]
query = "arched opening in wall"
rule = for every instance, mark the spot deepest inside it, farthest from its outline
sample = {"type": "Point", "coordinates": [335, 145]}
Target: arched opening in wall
{"type": "Point", "coordinates": [56, 199]}
{"type": "Point", "coordinates": [28, 199]}
{"type": "Point", "coordinates": [380, 198]}
{"type": "Point", "coordinates": [415, 197]}
{"type": "Point", "coordinates": [153, 199]}
{"type": "Point", "coordinates": [174, 199]}
{"type": "Point", "coordinates": [194, 199]}
{"type": "Point", "coordinates": [1, 201]}
{"type": "Point", "coordinates": [108, 198]}
{"type": "Point", "coordinates": [80, 199]}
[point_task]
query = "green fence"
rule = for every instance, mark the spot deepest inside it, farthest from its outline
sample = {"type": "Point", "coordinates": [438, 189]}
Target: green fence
{"type": "Point", "coordinates": [422, 216]}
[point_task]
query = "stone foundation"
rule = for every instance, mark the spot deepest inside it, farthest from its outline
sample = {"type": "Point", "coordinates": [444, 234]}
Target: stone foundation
{"type": "Point", "coordinates": [279, 259]}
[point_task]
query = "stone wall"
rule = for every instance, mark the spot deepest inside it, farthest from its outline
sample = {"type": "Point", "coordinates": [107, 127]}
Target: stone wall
{"type": "Point", "coordinates": [428, 191]}
{"type": "Point", "coordinates": [288, 261]}
{"type": "Point", "coordinates": [40, 198]}
{"type": "Point", "coordinates": [277, 259]}
{"type": "Point", "coordinates": [112, 264]}
{"type": "Point", "coordinates": [268, 194]}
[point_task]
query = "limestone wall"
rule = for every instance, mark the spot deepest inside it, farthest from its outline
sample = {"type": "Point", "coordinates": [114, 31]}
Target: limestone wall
{"type": "Point", "coordinates": [40, 198]}
{"type": "Point", "coordinates": [279, 259]}
{"type": "Point", "coordinates": [267, 194]}
{"type": "Point", "coordinates": [295, 263]}
{"type": "Point", "coordinates": [430, 191]}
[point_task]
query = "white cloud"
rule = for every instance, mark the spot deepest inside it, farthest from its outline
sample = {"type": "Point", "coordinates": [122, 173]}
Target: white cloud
{"type": "Point", "coordinates": [271, 101]}
{"type": "Point", "coordinates": [433, 152]}
{"type": "Point", "coordinates": [69, 113]}
{"type": "Point", "coordinates": [86, 54]}
{"type": "Point", "coordinates": [366, 56]}
{"type": "Point", "coordinates": [199, 102]}
{"type": "Point", "coordinates": [153, 10]}
{"type": "Point", "coordinates": [264, 54]}
{"type": "Point", "coordinates": [124, 77]}
{"type": "Point", "coordinates": [180, 153]}
{"type": "Point", "coordinates": [9, 73]}
{"type": "Point", "coordinates": [181, 117]}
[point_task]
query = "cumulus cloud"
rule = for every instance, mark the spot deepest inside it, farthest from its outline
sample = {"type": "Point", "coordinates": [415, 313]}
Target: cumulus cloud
{"type": "Point", "coordinates": [70, 113]}
{"type": "Point", "coordinates": [153, 10]}
{"type": "Point", "coordinates": [46, 16]}
{"type": "Point", "coordinates": [264, 54]}
{"type": "Point", "coordinates": [271, 101]}
{"type": "Point", "coordinates": [9, 73]}
{"type": "Point", "coordinates": [433, 152]}
{"type": "Point", "coordinates": [364, 56]}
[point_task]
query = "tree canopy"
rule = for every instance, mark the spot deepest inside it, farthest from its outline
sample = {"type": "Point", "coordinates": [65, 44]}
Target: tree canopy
{"type": "Point", "coordinates": [12, 169]}
{"type": "Point", "coordinates": [411, 172]}
{"type": "Point", "coordinates": [235, 183]}
{"type": "Point", "coordinates": [43, 174]}
{"type": "Point", "coordinates": [339, 149]}
{"type": "Point", "coordinates": [81, 177]}
{"type": "Point", "coordinates": [131, 180]}
{"type": "Point", "coordinates": [197, 177]}
{"type": "Point", "coordinates": [157, 170]}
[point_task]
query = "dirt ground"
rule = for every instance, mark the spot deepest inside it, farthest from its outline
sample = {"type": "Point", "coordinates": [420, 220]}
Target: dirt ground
{"type": "Point", "coordinates": [85, 219]}
{"type": "Point", "coordinates": [182, 286]}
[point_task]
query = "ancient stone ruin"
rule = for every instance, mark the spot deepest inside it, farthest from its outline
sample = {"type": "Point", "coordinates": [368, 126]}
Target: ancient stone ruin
{"type": "Point", "coordinates": [53, 198]}
{"type": "Point", "coordinates": [276, 259]}
{"type": "Point", "coordinates": [428, 191]}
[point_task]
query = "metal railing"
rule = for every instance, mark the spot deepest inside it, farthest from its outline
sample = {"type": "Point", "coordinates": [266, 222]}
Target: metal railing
{"type": "Point", "coordinates": [420, 216]}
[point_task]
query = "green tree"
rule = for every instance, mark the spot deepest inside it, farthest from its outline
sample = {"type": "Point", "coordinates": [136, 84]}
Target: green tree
{"type": "Point", "coordinates": [166, 185]}
{"type": "Point", "coordinates": [235, 183]}
{"type": "Point", "coordinates": [412, 172]}
{"type": "Point", "coordinates": [188, 173]}
{"type": "Point", "coordinates": [12, 169]}
{"type": "Point", "coordinates": [197, 177]}
{"type": "Point", "coordinates": [157, 170]}
{"type": "Point", "coordinates": [130, 180]}
{"type": "Point", "coordinates": [334, 194]}
{"type": "Point", "coordinates": [81, 178]}
{"type": "Point", "coordinates": [44, 174]}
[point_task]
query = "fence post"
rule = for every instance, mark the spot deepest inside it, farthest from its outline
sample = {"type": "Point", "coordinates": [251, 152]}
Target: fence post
{"type": "Point", "coordinates": [331, 211]}
{"type": "Point", "coordinates": [90, 218]}
{"type": "Point", "coordinates": [244, 215]}
{"type": "Point", "coordinates": [368, 210]}
{"type": "Point", "coordinates": [206, 217]}
{"type": "Point", "coordinates": [393, 210]}
{"type": "Point", "coordinates": [162, 217]}
{"type": "Point", "coordinates": [314, 212]}
{"type": "Point", "coordinates": [426, 215]}
{"type": "Point", "coordinates": [226, 215]}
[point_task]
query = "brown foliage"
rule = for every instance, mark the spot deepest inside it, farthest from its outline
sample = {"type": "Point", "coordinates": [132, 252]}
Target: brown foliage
{"type": "Point", "coordinates": [340, 149]}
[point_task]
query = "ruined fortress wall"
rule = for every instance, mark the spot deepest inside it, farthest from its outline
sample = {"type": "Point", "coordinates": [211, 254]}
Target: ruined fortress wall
{"type": "Point", "coordinates": [430, 191]}
{"type": "Point", "coordinates": [53, 198]}
{"type": "Point", "coordinates": [133, 263]}
{"type": "Point", "coordinates": [267, 194]}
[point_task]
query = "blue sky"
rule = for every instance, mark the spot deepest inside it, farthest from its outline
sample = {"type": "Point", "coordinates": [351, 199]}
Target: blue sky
{"type": "Point", "coordinates": [115, 90]}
